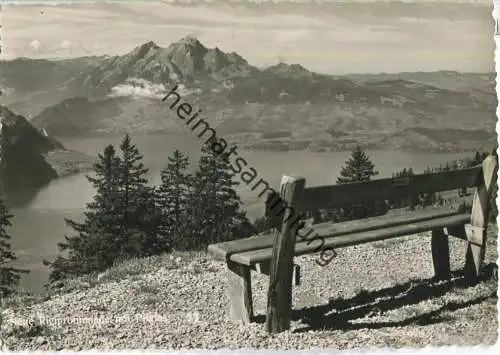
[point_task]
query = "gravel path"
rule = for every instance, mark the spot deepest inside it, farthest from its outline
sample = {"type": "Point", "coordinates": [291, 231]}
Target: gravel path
{"type": "Point", "coordinates": [363, 298]}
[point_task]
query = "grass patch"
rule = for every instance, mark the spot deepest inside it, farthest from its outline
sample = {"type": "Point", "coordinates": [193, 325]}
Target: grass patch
{"type": "Point", "coordinates": [132, 269]}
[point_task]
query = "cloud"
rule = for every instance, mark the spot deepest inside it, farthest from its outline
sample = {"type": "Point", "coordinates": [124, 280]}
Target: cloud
{"type": "Point", "coordinates": [136, 87]}
{"type": "Point", "coordinates": [141, 88]}
{"type": "Point", "coordinates": [35, 44]}
{"type": "Point", "coordinates": [65, 45]}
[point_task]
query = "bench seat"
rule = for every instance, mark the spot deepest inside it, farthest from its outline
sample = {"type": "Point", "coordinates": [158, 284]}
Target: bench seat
{"type": "Point", "coordinates": [396, 223]}
{"type": "Point", "coordinates": [301, 248]}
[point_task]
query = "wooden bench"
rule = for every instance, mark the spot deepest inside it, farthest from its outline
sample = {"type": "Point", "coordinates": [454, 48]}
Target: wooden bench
{"type": "Point", "coordinates": [273, 254]}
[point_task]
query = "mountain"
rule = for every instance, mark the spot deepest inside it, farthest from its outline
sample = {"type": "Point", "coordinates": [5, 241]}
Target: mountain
{"type": "Point", "coordinates": [26, 75]}
{"type": "Point", "coordinates": [290, 70]}
{"type": "Point", "coordinates": [117, 94]}
{"type": "Point", "coordinates": [22, 163]}
{"type": "Point", "coordinates": [435, 140]}
{"type": "Point", "coordinates": [27, 156]}
{"type": "Point", "coordinates": [75, 116]}
{"type": "Point", "coordinates": [445, 79]}
{"type": "Point", "coordinates": [29, 85]}
{"type": "Point", "coordinates": [79, 117]}
{"type": "Point", "coordinates": [185, 61]}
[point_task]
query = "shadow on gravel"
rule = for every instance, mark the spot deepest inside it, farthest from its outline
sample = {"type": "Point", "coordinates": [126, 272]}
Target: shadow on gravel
{"type": "Point", "coordinates": [338, 313]}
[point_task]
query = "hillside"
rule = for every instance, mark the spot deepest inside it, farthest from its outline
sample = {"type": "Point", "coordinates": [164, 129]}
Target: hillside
{"type": "Point", "coordinates": [29, 158]}
{"type": "Point", "coordinates": [116, 94]}
{"type": "Point", "coordinates": [445, 79]}
{"type": "Point", "coordinates": [435, 140]}
{"type": "Point", "coordinates": [29, 85]}
{"type": "Point", "coordinates": [179, 301]}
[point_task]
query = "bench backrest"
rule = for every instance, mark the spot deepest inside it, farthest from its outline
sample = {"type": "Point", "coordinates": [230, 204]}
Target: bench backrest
{"type": "Point", "coordinates": [482, 177]}
{"type": "Point", "coordinates": [332, 196]}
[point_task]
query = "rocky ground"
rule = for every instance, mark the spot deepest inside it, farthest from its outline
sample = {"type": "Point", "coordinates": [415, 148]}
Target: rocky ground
{"type": "Point", "coordinates": [373, 295]}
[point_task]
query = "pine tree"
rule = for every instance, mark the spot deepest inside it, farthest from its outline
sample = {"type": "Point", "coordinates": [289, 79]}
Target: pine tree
{"type": "Point", "coordinates": [358, 168]}
{"type": "Point", "coordinates": [104, 210]}
{"type": "Point", "coordinates": [98, 237]}
{"type": "Point", "coordinates": [215, 210]}
{"type": "Point", "coordinates": [9, 276]}
{"type": "Point", "coordinates": [173, 200]}
{"type": "Point", "coordinates": [141, 219]}
{"type": "Point", "coordinates": [133, 181]}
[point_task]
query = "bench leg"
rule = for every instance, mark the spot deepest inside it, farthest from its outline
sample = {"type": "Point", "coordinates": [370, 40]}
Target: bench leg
{"type": "Point", "coordinates": [476, 248]}
{"type": "Point", "coordinates": [474, 259]}
{"type": "Point", "coordinates": [440, 254]}
{"type": "Point", "coordinates": [265, 269]}
{"type": "Point", "coordinates": [239, 293]}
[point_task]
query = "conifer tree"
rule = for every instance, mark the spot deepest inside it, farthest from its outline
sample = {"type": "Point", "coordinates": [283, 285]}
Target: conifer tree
{"type": "Point", "coordinates": [133, 182]}
{"type": "Point", "coordinates": [98, 237]}
{"type": "Point", "coordinates": [9, 276]}
{"type": "Point", "coordinates": [173, 200]}
{"type": "Point", "coordinates": [216, 207]}
{"type": "Point", "coordinates": [358, 168]}
{"type": "Point", "coordinates": [104, 210]}
{"type": "Point", "coordinates": [141, 219]}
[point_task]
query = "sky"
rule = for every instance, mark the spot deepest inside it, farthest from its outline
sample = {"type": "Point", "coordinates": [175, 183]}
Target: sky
{"type": "Point", "coordinates": [334, 37]}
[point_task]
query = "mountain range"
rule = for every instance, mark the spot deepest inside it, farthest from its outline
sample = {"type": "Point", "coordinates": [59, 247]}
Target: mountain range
{"type": "Point", "coordinates": [284, 106]}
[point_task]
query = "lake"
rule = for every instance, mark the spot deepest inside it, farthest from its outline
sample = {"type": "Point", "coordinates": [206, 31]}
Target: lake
{"type": "Point", "coordinates": [38, 226]}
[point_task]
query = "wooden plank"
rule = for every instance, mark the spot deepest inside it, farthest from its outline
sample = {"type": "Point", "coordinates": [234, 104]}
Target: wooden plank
{"type": "Point", "coordinates": [239, 293]}
{"type": "Point", "coordinates": [477, 231]}
{"type": "Point", "coordinates": [301, 248]}
{"type": "Point", "coordinates": [384, 189]}
{"type": "Point", "coordinates": [224, 250]}
{"type": "Point", "coordinates": [395, 218]}
{"type": "Point", "coordinates": [221, 251]}
{"type": "Point", "coordinates": [279, 296]}
{"type": "Point", "coordinates": [440, 254]}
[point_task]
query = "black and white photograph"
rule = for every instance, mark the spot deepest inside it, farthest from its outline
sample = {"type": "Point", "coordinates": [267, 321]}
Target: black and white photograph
{"type": "Point", "coordinates": [248, 174]}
